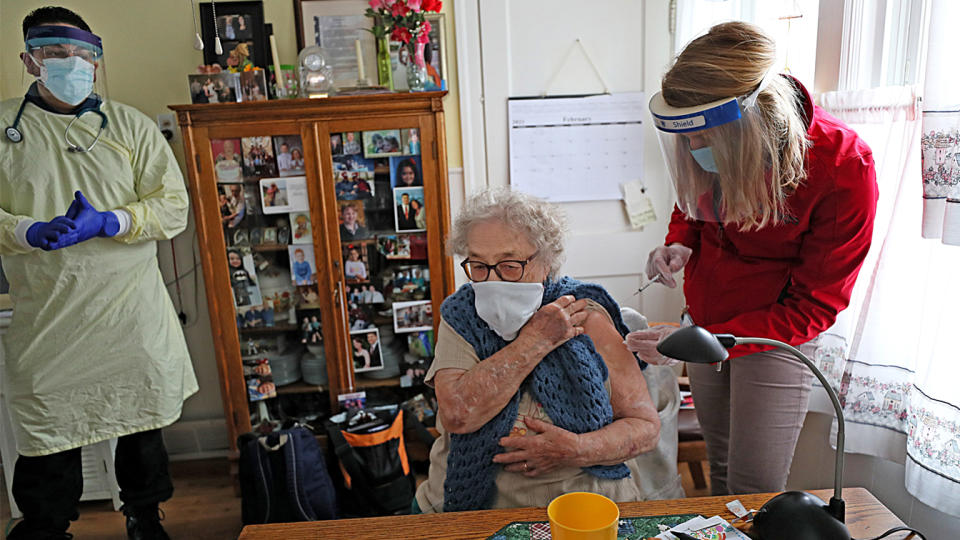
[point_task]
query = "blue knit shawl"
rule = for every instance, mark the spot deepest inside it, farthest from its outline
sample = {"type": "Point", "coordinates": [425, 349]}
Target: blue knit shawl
{"type": "Point", "coordinates": [568, 382]}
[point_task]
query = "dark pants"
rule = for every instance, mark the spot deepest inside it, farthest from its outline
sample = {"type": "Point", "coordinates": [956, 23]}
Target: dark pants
{"type": "Point", "coordinates": [47, 488]}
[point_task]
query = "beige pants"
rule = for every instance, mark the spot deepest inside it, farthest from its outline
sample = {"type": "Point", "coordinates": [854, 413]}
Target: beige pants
{"type": "Point", "coordinates": [751, 413]}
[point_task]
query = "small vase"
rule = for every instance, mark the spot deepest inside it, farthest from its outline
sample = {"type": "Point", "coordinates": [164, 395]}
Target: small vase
{"type": "Point", "coordinates": [384, 68]}
{"type": "Point", "coordinates": [417, 70]}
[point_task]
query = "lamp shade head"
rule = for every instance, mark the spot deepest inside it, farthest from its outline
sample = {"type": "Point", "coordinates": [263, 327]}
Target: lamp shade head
{"type": "Point", "coordinates": [693, 344]}
{"type": "Point", "coordinates": [797, 515]}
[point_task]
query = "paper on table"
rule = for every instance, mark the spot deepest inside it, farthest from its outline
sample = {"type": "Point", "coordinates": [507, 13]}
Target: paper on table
{"type": "Point", "coordinates": [639, 206]}
{"type": "Point", "coordinates": [714, 528]}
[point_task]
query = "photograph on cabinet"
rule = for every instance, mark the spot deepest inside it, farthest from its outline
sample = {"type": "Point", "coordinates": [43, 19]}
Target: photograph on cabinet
{"type": "Point", "coordinates": [412, 316]}
{"type": "Point", "coordinates": [364, 294]}
{"type": "Point", "coordinates": [258, 158]}
{"type": "Point", "coordinates": [410, 139]}
{"type": "Point", "coordinates": [361, 316]}
{"type": "Point", "coordinates": [354, 185]}
{"type": "Point", "coordinates": [276, 286]}
{"type": "Point", "coordinates": [353, 163]}
{"type": "Point", "coordinates": [381, 143]}
{"type": "Point", "coordinates": [302, 263]}
{"type": "Point", "coordinates": [289, 151]}
{"type": "Point", "coordinates": [227, 162]}
{"type": "Point", "coordinates": [353, 401]}
{"type": "Point", "coordinates": [353, 221]}
{"type": "Point", "coordinates": [308, 296]}
{"type": "Point", "coordinates": [233, 206]}
{"type": "Point", "coordinates": [394, 246]}
{"type": "Point", "coordinates": [253, 85]}
{"type": "Point", "coordinates": [406, 283]}
{"type": "Point", "coordinates": [410, 214]}
{"type": "Point", "coordinates": [256, 236]}
{"type": "Point", "coordinates": [365, 345]}
{"type": "Point", "coordinates": [300, 227]}
{"type": "Point", "coordinates": [256, 316]}
{"type": "Point", "coordinates": [284, 195]}
{"type": "Point", "coordinates": [269, 235]}
{"type": "Point", "coordinates": [214, 88]}
{"type": "Point", "coordinates": [351, 143]}
{"type": "Point", "coordinates": [356, 262]}
{"type": "Point", "coordinates": [417, 360]}
{"type": "Point", "coordinates": [405, 171]}
{"type": "Point", "coordinates": [311, 331]}
{"type": "Point", "coordinates": [336, 144]}
{"type": "Point", "coordinates": [243, 277]}
{"type": "Point", "coordinates": [259, 378]}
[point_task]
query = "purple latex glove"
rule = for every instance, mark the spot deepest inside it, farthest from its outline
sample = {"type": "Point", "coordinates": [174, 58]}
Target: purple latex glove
{"type": "Point", "coordinates": [90, 221]}
{"type": "Point", "coordinates": [54, 234]}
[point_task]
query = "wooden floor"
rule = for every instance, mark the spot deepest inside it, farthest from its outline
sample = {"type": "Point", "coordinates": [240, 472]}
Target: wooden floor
{"type": "Point", "coordinates": [203, 506]}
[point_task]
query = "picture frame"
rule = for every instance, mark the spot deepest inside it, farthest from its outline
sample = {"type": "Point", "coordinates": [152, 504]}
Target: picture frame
{"type": "Point", "coordinates": [227, 160]}
{"type": "Point", "coordinates": [253, 85]}
{"type": "Point", "coordinates": [300, 227]}
{"type": "Point", "coordinates": [365, 346]}
{"type": "Point", "coordinates": [303, 269]}
{"type": "Point", "coordinates": [352, 221]}
{"type": "Point", "coordinates": [381, 143]}
{"type": "Point", "coordinates": [406, 217]}
{"type": "Point", "coordinates": [269, 235]}
{"type": "Point", "coordinates": [291, 162]}
{"type": "Point", "coordinates": [356, 269]}
{"type": "Point", "coordinates": [336, 25]}
{"type": "Point", "coordinates": [214, 87]}
{"type": "Point", "coordinates": [406, 171]}
{"type": "Point", "coordinates": [413, 316]}
{"type": "Point", "coordinates": [253, 34]}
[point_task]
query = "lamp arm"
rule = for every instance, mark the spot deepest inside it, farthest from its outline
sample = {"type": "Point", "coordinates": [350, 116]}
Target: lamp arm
{"type": "Point", "coordinates": [841, 432]}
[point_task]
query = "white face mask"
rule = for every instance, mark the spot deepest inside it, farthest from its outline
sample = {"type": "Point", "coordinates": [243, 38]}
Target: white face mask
{"type": "Point", "coordinates": [507, 306]}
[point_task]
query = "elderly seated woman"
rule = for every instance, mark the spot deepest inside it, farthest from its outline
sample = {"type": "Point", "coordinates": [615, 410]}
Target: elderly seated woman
{"type": "Point", "coordinates": [538, 396]}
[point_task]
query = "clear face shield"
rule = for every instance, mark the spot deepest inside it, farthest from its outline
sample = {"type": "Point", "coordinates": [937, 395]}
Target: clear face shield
{"type": "Point", "coordinates": [67, 61]}
{"type": "Point", "coordinates": [709, 150]}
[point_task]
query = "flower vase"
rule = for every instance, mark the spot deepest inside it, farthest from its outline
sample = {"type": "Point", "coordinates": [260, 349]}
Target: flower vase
{"type": "Point", "coordinates": [384, 67]}
{"type": "Point", "coordinates": [417, 70]}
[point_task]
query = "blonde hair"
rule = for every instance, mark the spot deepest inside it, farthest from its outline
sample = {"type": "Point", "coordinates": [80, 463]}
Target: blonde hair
{"type": "Point", "coordinates": [763, 154]}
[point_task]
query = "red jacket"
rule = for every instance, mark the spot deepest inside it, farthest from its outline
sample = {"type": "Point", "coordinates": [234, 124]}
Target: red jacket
{"type": "Point", "coordinates": [787, 281]}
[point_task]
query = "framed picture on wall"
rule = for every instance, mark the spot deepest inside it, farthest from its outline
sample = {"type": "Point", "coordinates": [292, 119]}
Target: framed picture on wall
{"type": "Point", "coordinates": [336, 25]}
{"type": "Point", "coordinates": [240, 26]}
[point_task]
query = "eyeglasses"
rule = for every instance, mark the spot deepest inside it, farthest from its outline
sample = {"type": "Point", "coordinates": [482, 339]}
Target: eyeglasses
{"type": "Point", "coordinates": [508, 270]}
{"type": "Point", "coordinates": [66, 51]}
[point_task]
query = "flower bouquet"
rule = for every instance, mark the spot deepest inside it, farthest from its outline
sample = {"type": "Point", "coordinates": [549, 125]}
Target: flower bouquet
{"type": "Point", "coordinates": [403, 21]}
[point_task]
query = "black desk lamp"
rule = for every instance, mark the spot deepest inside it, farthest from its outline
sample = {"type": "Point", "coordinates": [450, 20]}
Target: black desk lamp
{"type": "Point", "coordinates": [792, 515]}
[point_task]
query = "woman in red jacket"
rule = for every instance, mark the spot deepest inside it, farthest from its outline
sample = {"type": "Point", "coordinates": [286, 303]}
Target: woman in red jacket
{"type": "Point", "coordinates": [776, 201]}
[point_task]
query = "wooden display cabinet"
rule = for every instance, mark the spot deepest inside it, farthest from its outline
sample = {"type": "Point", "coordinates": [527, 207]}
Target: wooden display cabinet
{"type": "Point", "coordinates": [233, 291]}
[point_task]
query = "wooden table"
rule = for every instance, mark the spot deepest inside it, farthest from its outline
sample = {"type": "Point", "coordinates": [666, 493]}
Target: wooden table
{"type": "Point", "coordinates": [866, 518]}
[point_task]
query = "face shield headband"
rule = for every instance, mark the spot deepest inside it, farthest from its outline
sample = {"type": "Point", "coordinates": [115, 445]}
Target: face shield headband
{"type": "Point", "coordinates": [40, 36]}
{"type": "Point", "coordinates": [710, 148]}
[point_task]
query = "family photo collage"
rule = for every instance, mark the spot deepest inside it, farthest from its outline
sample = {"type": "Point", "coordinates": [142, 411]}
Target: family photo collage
{"type": "Point", "coordinates": [378, 179]}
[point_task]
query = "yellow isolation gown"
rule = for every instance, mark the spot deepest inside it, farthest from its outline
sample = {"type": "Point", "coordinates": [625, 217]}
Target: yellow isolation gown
{"type": "Point", "coordinates": [94, 349]}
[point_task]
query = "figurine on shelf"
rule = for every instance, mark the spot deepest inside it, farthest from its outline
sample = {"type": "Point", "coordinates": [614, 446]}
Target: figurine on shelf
{"type": "Point", "coordinates": [252, 348]}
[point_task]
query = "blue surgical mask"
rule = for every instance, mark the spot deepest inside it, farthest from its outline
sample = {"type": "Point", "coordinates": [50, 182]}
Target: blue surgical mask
{"type": "Point", "coordinates": [704, 157]}
{"type": "Point", "coordinates": [69, 79]}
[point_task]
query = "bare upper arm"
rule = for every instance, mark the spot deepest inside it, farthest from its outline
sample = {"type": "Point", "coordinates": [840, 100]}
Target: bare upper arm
{"type": "Point", "coordinates": [628, 396]}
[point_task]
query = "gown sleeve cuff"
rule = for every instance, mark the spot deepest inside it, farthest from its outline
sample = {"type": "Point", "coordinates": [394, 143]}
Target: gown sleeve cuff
{"type": "Point", "coordinates": [125, 221]}
{"type": "Point", "coordinates": [20, 232]}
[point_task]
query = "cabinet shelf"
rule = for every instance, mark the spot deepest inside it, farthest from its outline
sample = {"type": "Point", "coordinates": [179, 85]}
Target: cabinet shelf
{"type": "Point", "coordinates": [270, 329]}
{"type": "Point", "coordinates": [375, 383]}
{"type": "Point", "coordinates": [269, 247]}
{"type": "Point", "coordinates": [300, 387]}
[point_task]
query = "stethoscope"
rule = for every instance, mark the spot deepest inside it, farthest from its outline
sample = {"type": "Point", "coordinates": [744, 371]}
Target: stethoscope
{"type": "Point", "coordinates": [14, 135]}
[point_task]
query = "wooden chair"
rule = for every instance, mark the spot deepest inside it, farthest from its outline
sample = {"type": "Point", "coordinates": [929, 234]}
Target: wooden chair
{"type": "Point", "coordinates": [691, 448]}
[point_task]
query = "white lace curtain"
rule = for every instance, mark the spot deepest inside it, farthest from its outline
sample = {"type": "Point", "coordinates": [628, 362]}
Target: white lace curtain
{"type": "Point", "coordinates": [894, 353]}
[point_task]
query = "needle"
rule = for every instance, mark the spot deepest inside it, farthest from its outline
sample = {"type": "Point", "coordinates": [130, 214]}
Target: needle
{"type": "Point", "coordinates": [655, 279]}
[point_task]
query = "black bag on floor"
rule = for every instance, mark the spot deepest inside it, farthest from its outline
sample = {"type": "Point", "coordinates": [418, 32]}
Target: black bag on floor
{"type": "Point", "coordinates": [283, 477]}
{"type": "Point", "coordinates": [373, 460]}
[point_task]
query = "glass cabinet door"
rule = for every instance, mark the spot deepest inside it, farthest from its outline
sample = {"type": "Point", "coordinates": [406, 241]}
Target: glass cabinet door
{"type": "Point", "coordinates": [265, 216]}
{"type": "Point", "coordinates": [378, 181]}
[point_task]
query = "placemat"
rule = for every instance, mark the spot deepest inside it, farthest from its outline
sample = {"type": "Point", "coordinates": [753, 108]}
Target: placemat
{"type": "Point", "coordinates": [631, 528]}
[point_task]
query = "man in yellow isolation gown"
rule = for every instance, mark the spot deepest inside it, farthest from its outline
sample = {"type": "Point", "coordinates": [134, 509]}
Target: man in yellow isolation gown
{"type": "Point", "coordinates": [94, 350]}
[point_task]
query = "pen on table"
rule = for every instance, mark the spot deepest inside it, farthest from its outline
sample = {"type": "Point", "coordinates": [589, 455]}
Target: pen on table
{"type": "Point", "coordinates": [655, 279]}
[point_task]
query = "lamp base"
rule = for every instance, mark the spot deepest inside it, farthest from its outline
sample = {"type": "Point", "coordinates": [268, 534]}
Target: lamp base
{"type": "Point", "coordinates": [797, 515]}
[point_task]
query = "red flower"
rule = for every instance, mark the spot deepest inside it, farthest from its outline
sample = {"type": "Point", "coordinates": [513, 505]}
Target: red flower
{"type": "Point", "coordinates": [378, 4]}
{"type": "Point", "coordinates": [414, 5]}
{"type": "Point", "coordinates": [401, 34]}
{"type": "Point", "coordinates": [432, 5]}
{"type": "Point", "coordinates": [399, 9]}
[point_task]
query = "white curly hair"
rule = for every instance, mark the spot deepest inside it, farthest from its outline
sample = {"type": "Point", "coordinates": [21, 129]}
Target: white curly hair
{"type": "Point", "coordinates": [543, 223]}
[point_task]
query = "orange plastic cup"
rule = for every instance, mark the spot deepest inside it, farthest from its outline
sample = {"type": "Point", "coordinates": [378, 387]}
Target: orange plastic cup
{"type": "Point", "coordinates": [583, 516]}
